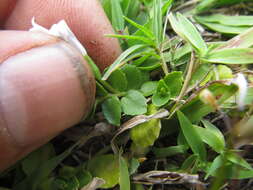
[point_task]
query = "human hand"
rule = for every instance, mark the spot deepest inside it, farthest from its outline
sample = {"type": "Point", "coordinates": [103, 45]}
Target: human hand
{"type": "Point", "coordinates": [45, 84]}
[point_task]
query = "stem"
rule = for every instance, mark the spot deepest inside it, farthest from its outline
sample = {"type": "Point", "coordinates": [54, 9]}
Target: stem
{"type": "Point", "coordinates": [187, 78]}
{"type": "Point", "coordinates": [108, 87]}
{"type": "Point", "coordinates": [186, 83]}
{"type": "Point", "coordinates": [100, 100]}
{"type": "Point", "coordinates": [164, 65]}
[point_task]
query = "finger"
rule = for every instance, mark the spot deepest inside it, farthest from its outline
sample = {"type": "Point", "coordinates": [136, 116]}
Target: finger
{"type": "Point", "coordinates": [6, 7]}
{"type": "Point", "coordinates": [85, 17]}
{"type": "Point", "coordinates": [45, 88]}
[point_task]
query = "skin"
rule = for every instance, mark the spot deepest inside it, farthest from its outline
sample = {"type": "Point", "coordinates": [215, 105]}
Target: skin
{"type": "Point", "coordinates": [45, 84]}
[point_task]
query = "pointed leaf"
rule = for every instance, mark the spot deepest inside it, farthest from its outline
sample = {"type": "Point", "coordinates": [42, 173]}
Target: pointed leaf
{"type": "Point", "coordinates": [145, 30]}
{"type": "Point", "coordinates": [186, 30]}
{"type": "Point", "coordinates": [231, 56]}
{"type": "Point", "coordinates": [210, 138]}
{"type": "Point", "coordinates": [236, 159]}
{"type": "Point", "coordinates": [192, 136]}
{"type": "Point", "coordinates": [157, 21]}
{"type": "Point", "coordinates": [216, 164]}
{"type": "Point", "coordinates": [243, 40]}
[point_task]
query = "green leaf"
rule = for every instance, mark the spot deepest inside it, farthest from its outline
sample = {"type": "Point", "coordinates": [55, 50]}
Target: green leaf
{"type": "Point", "coordinates": [107, 168]}
{"type": "Point", "coordinates": [242, 174]}
{"type": "Point", "coordinates": [120, 60]}
{"type": "Point", "coordinates": [111, 108]}
{"type": "Point", "coordinates": [192, 136]}
{"type": "Point", "coordinates": [210, 138]}
{"type": "Point", "coordinates": [215, 131]}
{"type": "Point", "coordinates": [230, 56]}
{"type": "Point", "coordinates": [217, 163]}
{"type": "Point", "coordinates": [221, 28]}
{"type": "Point", "coordinates": [134, 9]}
{"type": "Point", "coordinates": [162, 94]}
{"type": "Point", "coordinates": [206, 5]}
{"type": "Point", "coordinates": [145, 30]}
{"type": "Point", "coordinates": [186, 30]}
{"type": "Point", "coordinates": [166, 6]}
{"type": "Point", "coordinates": [133, 37]}
{"type": "Point", "coordinates": [236, 159]}
{"type": "Point", "coordinates": [201, 74]}
{"type": "Point", "coordinates": [149, 88]}
{"type": "Point", "coordinates": [157, 21]}
{"type": "Point", "coordinates": [134, 103]}
{"type": "Point", "coordinates": [243, 40]}
{"type": "Point", "coordinates": [125, 6]}
{"type": "Point", "coordinates": [117, 16]}
{"type": "Point", "coordinates": [170, 151]}
{"type": "Point", "coordinates": [224, 72]}
{"type": "Point", "coordinates": [124, 181]}
{"type": "Point", "coordinates": [189, 162]}
{"type": "Point", "coordinates": [145, 134]}
{"type": "Point", "coordinates": [107, 8]}
{"type": "Point", "coordinates": [94, 67]}
{"type": "Point", "coordinates": [118, 80]}
{"type": "Point", "coordinates": [133, 75]}
{"type": "Point", "coordinates": [227, 20]}
{"type": "Point", "coordinates": [174, 82]}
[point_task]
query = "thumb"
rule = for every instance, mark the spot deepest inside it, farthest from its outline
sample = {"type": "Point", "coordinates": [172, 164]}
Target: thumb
{"type": "Point", "coordinates": [45, 87]}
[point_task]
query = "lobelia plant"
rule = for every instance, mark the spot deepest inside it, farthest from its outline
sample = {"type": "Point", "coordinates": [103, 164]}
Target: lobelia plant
{"type": "Point", "coordinates": [179, 103]}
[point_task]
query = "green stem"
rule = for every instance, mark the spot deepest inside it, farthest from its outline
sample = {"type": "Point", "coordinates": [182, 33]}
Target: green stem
{"type": "Point", "coordinates": [187, 78]}
{"type": "Point", "coordinates": [108, 86]}
{"type": "Point", "coordinates": [186, 83]}
{"type": "Point", "coordinates": [164, 65]}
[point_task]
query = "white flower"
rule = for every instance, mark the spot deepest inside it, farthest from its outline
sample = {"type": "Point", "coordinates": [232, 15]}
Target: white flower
{"type": "Point", "coordinates": [242, 84]}
{"type": "Point", "coordinates": [60, 30]}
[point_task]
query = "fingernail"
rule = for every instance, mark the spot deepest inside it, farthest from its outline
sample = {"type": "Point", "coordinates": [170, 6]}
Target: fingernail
{"type": "Point", "coordinates": [44, 91]}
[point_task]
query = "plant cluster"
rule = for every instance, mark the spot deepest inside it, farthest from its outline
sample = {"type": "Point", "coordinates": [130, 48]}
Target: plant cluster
{"type": "Point", "coordinates": [179, 99]}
